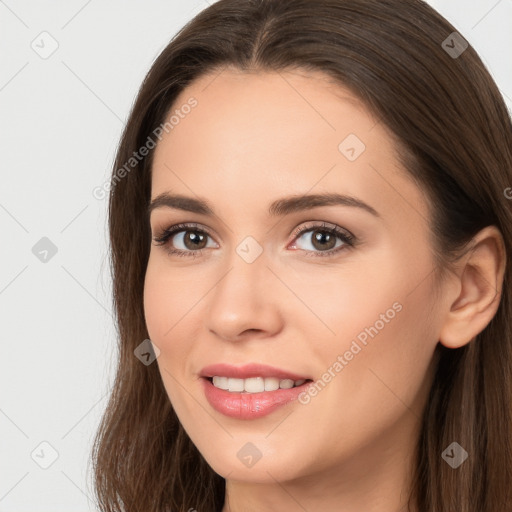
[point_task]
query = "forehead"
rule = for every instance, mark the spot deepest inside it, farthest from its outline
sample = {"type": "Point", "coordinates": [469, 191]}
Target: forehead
{"type": "Point", "coordinates": [290, 104]}
{"type": "Point", "coordinates": [270, 134]}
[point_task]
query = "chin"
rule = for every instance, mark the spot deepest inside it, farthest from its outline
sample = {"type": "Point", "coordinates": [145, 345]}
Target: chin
{"type": "Point", "coordinates": [266, 469]}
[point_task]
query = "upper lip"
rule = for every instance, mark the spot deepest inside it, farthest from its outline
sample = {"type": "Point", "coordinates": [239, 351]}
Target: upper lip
{"type": "Point", "coordinates": [247, 371]}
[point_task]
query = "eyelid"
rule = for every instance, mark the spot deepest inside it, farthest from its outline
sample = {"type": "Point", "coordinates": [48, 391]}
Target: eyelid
{"type": "Point", "coordinates": [181, 226]}
{"type": "Point", "coordinates": [316, 224]}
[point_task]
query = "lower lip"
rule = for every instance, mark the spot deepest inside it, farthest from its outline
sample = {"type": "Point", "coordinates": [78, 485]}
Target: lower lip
{"type": "Point", "coordinates": [249, 406]}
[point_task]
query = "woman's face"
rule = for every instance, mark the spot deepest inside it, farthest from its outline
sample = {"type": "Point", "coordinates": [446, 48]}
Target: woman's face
{"type": "Point", "coordinates": [356, 318]}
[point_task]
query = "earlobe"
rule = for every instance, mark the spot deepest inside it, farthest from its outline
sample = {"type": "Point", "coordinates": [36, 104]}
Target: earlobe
{"type": "Point", "coordinates": [479, 281]}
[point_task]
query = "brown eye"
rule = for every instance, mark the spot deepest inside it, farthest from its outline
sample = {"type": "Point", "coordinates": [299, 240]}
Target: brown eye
{"type": "Point", "coordinates": [323, 240]}
{"type": "Point", "coordinates": [184, 240]}
{"type": "Point", "coordinates": [193, 240]}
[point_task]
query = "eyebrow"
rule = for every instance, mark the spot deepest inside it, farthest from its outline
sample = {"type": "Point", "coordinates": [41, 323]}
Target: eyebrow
{"type": "Point", "coordinates": [280, 207]}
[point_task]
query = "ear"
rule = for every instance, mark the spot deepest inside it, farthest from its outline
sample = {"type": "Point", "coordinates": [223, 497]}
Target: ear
{"type": "Point", "coordinates": [477, 289]}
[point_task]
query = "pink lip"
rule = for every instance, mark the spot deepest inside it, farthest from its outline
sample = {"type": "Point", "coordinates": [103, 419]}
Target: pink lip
{"type": "Point", "coordinates": [247, 371]}
{"type": "Point", "coordinates": [249, 406]}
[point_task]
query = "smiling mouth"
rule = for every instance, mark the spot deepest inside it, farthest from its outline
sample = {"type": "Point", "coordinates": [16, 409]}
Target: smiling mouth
{"type": "Point", "coordinates": [254, 385]}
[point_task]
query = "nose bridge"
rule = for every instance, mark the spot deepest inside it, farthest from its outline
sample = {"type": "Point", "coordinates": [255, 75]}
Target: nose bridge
{"type": "Point", "coordinates": [241, 299]}
{"type": "Point", "coordinates": [246, 275]}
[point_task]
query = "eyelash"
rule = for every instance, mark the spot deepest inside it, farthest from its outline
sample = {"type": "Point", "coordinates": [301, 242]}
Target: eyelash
{"type": "Point", "coordinates": [164, 236]}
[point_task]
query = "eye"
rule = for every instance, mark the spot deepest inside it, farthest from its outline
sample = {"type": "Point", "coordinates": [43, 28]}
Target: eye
{"type": "Point", "coordinates": [189, 237]}
{"type": "Point", "coordinates": [322, 240]}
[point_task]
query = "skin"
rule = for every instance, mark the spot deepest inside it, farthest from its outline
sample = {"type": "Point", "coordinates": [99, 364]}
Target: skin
{"type": "Point", "coordinates": [254, 138]}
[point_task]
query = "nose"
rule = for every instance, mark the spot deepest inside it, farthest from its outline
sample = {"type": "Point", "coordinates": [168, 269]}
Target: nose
{"type": "Point", "coordinates": [246, 301]}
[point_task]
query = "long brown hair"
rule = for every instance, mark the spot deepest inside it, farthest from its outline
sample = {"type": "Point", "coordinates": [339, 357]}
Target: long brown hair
{"type": "Point", "coordinates": [454, 136]}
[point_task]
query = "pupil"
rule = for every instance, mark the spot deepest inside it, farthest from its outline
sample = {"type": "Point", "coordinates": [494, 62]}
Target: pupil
{"type": "Point", "coordinates": [194, 238]}
{"type": "Point", "coordinates": [323, 237]}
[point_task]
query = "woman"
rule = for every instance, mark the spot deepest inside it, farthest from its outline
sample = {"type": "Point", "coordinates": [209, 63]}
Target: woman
{"type": "Point", "coordinates": [310, 220]}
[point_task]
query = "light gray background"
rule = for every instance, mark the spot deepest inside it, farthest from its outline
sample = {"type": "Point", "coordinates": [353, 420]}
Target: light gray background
{"type": "Point", "coordinates": [60, 121]}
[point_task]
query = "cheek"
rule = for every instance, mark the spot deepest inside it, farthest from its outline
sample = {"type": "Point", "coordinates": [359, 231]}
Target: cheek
{"type": "Point", "coordinates": [174, 299]}
{"type": "Point", "coordinates": [164, 305]}
{"type": "Point", "coordinates": [379, 387]}
{"type": "Point", "coordinates": [169, 296]}
{"type": "Point", "coordinates": [380, 326]}
{"type": "Point", "coordinates": [386, 356]}
{"type": "Point", "coordinates": [339, 301]}
{"type": "Point", "coordinates": [156, 304]}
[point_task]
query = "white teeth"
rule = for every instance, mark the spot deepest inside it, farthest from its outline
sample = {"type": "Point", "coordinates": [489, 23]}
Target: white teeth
{"type": "Point", "coordinates": [235, 384]}
{"type": "Point", "coordinates": [254, 384]}
{"type": "Point", "coordinates": [220, 382]}
{"type": "Point", "coordinates": [286, 384]}
{"type": "Point", "coordinates": [271, 384]}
